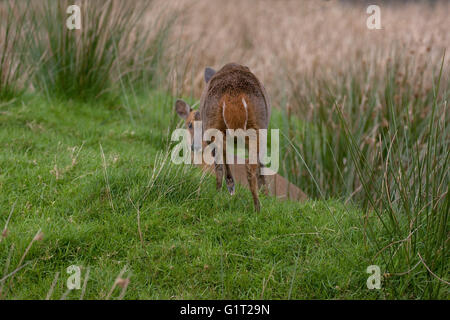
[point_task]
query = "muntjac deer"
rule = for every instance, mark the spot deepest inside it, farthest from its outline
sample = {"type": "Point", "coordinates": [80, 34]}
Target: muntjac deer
{"type": "Point", "coordinates": [232, 99]}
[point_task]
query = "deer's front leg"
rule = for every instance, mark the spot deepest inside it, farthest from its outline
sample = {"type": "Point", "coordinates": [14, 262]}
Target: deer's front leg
{"type": "Point", "coordinates": [252, 174]}
{"type": "Point", "coordinates": [229, 180]}
{"type": "Point", "coordinates": [218, 169]}
{"type": "Point", "coordinates": [219, 175]}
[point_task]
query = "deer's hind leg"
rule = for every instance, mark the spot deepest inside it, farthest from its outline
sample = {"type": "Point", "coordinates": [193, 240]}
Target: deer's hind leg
{"type": "Point", "coordinates": [218, 169]}
{"type": "Point", "coordinates": [262, 183]}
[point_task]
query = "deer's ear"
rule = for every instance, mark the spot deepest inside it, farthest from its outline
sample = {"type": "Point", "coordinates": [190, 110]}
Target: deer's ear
{"type": "Point", "coordinates": [209, 72]}
{"type": "Point", "coordinates": [182, 108]}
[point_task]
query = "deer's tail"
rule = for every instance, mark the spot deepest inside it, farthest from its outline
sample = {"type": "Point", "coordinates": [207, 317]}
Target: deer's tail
{"type": "Point", "coordinates": [235, 111]}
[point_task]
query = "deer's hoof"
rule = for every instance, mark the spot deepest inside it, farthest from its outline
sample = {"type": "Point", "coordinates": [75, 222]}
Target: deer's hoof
{"type": "Point", "coordinates": [230, 186]}
{"type": "Point", "coordinates": [231, 189]}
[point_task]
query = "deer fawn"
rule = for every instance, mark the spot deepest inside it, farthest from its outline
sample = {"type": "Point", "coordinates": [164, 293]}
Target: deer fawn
{"type": "Point", "coordinates": [232, 99]}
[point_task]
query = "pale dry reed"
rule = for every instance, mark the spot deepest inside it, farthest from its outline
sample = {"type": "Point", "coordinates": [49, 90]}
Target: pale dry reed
{"type": "Point", "coordinates": [303, 40]}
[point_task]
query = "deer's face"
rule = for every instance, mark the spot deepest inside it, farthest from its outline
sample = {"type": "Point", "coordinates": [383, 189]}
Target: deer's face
{"type": "Point", "coordinates": [189, 116]}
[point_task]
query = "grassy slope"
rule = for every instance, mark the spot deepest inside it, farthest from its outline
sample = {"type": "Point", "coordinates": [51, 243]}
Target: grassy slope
{"type": "Point", "coordinates": [197, 243]}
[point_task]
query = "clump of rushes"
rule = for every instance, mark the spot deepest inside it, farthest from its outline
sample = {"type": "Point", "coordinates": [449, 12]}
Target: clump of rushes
{"type": "Point", "coordinates": [85, 64]}
{"type": "Point", "coordinates": [380, 142]}
{"type": "Point", "coordinates": [372, 102]}
{"type": "Point", "coordinates": [404, 180]}
{"type": "Point", "coordinates": [13, 70]}
{"type": "Point", "coordinates": [147, 61]}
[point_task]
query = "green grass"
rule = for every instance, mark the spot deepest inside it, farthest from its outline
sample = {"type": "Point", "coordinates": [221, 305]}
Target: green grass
{"type": "Point", "coordinates": [84, 155]}
{"type": "Point", "coordinates": [197, 243]}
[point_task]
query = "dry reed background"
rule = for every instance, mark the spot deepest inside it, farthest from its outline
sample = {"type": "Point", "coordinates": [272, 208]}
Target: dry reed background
{"type": "Point", "coordinates": [304, 39]}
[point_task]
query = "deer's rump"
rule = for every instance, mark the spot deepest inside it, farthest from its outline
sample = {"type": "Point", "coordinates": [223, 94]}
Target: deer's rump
{"type": "Point", "coordinates": [242, 93]}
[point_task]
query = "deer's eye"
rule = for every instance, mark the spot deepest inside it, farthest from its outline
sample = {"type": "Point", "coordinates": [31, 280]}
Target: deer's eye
{"type": "Point", "coordinates": [190, 125]}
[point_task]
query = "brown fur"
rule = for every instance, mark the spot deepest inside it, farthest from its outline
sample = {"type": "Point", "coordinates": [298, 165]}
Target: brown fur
{"type": "Point", "coordinates": [227, 87]}
{"type": "Point", "coordinates": [234, 80]}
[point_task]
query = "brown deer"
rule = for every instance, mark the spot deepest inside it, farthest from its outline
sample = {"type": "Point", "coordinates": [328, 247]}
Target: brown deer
{"type": "Point", "coordinates": [232, 99]}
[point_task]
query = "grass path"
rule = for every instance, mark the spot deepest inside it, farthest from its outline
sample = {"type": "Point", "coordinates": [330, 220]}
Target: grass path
{"type": "Point", "coordinates": [96, 183]}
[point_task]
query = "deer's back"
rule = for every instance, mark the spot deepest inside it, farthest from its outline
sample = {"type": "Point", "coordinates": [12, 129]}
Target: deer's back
{"type": "Point", "coordinates": [234, 80]}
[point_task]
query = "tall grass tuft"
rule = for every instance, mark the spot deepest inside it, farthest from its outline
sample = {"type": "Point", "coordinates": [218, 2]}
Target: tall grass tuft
{"type": "Point", "coordinates": [405, 181]}
{"type": "Point", "coordinates": [372, 103]}
{"type": "Point", "coordinates": [94, 61]}
{"type": "Point", "coordinates": [382, 142]}
{"type": "Point", "coordinates": [13, 69]}
{"type": "Point", "coordinates": [147, 61]}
